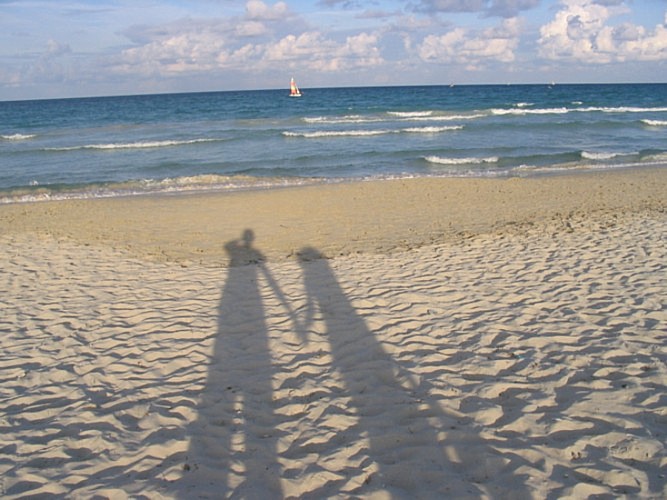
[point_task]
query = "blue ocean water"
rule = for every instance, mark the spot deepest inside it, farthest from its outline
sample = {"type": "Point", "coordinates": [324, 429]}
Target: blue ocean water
{"type": "Point", "coordinates": [113, 146]}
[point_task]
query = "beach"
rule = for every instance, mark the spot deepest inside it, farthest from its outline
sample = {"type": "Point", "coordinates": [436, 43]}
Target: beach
{"type": "Point", "coordinates": [409, 338]}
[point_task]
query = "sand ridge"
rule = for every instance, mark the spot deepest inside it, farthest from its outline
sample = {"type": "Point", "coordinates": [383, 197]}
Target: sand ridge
{"type": "Point", "coordinates": [522, 364]}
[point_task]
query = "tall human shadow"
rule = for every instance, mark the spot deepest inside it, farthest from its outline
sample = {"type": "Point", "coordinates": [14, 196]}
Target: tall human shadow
{"type": "Point", "coordinates": [414, 449]}
{"type": "Point", "coordinates": [233, 441]}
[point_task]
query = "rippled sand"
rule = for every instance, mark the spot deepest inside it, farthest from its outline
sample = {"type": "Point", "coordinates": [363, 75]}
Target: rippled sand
{"type": "Point", "coordinates": [506, 360]}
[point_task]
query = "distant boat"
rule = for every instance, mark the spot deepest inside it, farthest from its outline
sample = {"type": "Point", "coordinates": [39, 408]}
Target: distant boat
{"type": "Point", "coordinates": [293, 89]}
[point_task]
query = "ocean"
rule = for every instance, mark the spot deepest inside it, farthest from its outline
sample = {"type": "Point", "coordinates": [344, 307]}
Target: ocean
{"type": "Point", "coordinates": [119, 146]}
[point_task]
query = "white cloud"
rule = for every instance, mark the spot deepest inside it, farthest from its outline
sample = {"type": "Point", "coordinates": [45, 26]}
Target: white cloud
{"type": "Point", "coordinates": [502, 8]}
{"type": "Point", "coordinates": [55, 49]}
{"type": "Point", "coordinates": [251, 29]}
{"type": "Point", "coordinates": [313, 51]}
{"type": "Point", "coordinates": [197, 46]}
{"type": "Point", "coordinates": [581, 31]}
{"type": "Point", "coordinates": [473, 47]}
{"type": "Point", "coordinates": [258, 10]}
{"type": "Point", "coordinates": [190, 50]}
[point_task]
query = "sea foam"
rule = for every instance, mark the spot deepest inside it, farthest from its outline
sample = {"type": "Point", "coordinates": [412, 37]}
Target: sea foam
{"type": "Point", "coordinates": [318, 134]}
{"type": "Point", "coordinates": [655, 123]}
{"type": "Point", "coordinates": [460, 161]}
{"type": "Point", "coordinates": [600, 155]}
{"type": "Point", "coordinates": [132, 145]}
{"type": "Point", "coordinates": [17, 137]}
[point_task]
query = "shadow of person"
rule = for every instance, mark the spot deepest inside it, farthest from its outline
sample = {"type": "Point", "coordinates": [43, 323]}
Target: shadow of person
{"type": "Point", "coordinates": [410, 447]}
{"type": "Point", "coordinates": [233, 441]}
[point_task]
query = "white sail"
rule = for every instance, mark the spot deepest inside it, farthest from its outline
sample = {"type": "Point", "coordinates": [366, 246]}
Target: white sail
{"type": "Point", "coordinates": [294, 90]}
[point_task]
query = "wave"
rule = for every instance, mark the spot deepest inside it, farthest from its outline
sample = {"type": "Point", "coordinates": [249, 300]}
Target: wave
{"type": "Point", "coordinates": [336, 133]}
{"type": "Point", "coordinates": [623, 109]}
{"type": "Point", "coordinates": [524, 111]}
{"type": "Point", "coordinates": [518, 109]}
{"type": "Point", "coordinates": [185, 184]}
{"type": "Point", "coordinates": [432, 130]}
{"type": "Point", "coordinates": [410, 114]}
{"type": "Point", "coordinates": [601, 155]}
{"type": "Point", "coordinates": [655, 123]}
{"type": "Point", "coordinates": [341, 119]}
{"type": "Point", "coordinates": [394, 116]}
{"type": "Point", "coordinates": [656, 157]}
{"type": "Point", "coordinates": [17, 137]}
{"type": "Point", "coordinates": [318, 134]}
{"type": "Point", "coordinates": [132, 145]}
{"type": "Point", "coordinates": [565, 110]}
{"type": "Point", "coordinates": [460, 161]}
{"type": "Point", "coordinates": [443, 118]}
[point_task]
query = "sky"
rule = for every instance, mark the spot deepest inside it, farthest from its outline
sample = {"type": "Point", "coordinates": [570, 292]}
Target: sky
{"type": "Point", "coordinates": [76, 48]}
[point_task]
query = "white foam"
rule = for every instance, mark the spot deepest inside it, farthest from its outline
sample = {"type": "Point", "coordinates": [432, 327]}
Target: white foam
{"type": "Point", "coordinates": [658, 158]}
{"type": "Point", "coordinates": [460, 161]}
{"type": "Point", "coordinates": [336, 133]}
{"type": "Point", "coordinates": [17, 137]}
{"type": "Point", "coordinates": [410, 114]}
{"type": "Point", "coordinates": [523, 111]}
{"type": "Point", "coordinates": [341, 119]}
{"type": "Point", "coordinates": [604, 155]}
{"type": "Point", "coordinates": [598, 155]}
{"type": "Point", "coordinates": [443, 118]}
{"type": "Point", "coordinates": [368, 133]}
{"type": "Point", "coordinates": [432, 130]}
{"type": "Point", "coordinates": [563, 110]}
{"type": "Point", "coordinates": [132, 145]}
{"type": "Point", "coordinates": [185, 184]}
{"type": "Point", "coordinates": [655, 123]}
{"type": "Point", "coordinates": [625, 109]}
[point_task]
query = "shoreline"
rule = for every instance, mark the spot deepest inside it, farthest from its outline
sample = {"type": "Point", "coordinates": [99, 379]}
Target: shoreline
{"type": "Point", "coordinates": [243, 183]}
{"type": "Point", "coordinates": [339, 218]}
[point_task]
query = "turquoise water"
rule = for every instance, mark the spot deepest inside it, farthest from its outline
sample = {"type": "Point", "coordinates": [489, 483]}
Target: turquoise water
{"type": "Point", "coordinates": [111, 146]}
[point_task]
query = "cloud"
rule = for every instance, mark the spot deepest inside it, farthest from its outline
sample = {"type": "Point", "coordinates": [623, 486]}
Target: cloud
{"type": "Point", "coordinates": [580, 31]}
{"type": "Point", "coordinates": [56, 49]}
{"type": "Point", "coordinates": [315, 52]}
{"type": "Point", "coordinates": [472, 48]}
{"type": "Point", "coordinates": [258, 10]}
{"type": "Point", "coordinates": [265, 38]}
{"type": "Point", "coordinates": [500, 8]}
{"type": "Point", "coordinates": [433, 6]}
{"type": "Point", "coordinates": [197, 45]}
{"type": "Point", "coordinates": [510, 8]}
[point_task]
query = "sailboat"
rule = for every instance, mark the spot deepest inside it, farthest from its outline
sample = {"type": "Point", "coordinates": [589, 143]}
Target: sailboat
{"type": "Point", "coordinates": [293, 89]}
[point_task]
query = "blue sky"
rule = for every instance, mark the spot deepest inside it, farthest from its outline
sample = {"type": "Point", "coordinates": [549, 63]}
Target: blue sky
{"type": "Point", "coordinates": [52, 48]}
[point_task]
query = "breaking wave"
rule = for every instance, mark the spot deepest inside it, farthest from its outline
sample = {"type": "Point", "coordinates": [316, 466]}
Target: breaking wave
{"type": "Point", "coordinates": [17, 137]}
{"type": "Point", "coordinates": [341, 119]}
{"type": "Point", "coordinates": [392, 116]}
{"type": "Point", "coordinates": [367, 133]}
{"type": "Point", "coordinates": [460, 161]}
{"type": "Point", "coordinates": [184, 184]}
{"type": "Point", "coordinates": [336, 133]}
{"type": "Point", "coordinates": [655, 123]}
{"type": "Point", "coordinates": [601, 155]}
{"type": "Point", "coordinates": [564, 110]}
{"type": "Point", "coordinates": [132, 145]}
{"type": "Point", "coordinates": [410, 114]}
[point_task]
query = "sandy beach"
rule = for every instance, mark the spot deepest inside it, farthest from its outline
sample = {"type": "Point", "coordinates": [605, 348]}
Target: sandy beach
{"type": "Point", "coordinates": [420, 338]}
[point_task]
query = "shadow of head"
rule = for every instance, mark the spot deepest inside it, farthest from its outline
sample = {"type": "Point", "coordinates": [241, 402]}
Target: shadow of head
{"type": "Point", "coordinates": [308, 254]}
{"type": "Point", "coordinates": [248, 237]}
{"type": "Point", "coordinates": [242, 252]}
